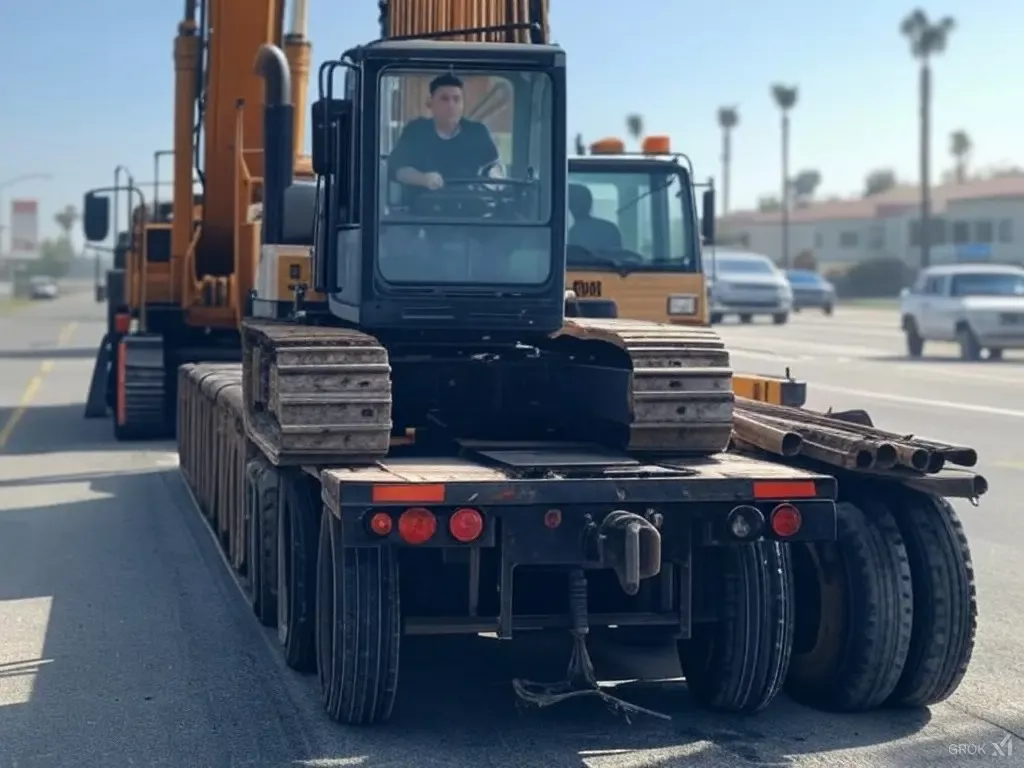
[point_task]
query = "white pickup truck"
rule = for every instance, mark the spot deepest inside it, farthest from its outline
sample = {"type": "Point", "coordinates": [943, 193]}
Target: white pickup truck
{"type": "Point", "coordinates": [978, 306]}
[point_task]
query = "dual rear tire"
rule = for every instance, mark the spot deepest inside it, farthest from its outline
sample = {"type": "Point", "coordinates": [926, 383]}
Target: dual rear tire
{"type": "Point", "coordinates": [886, 615]}
{"type": "Point", "coordinates": [336, 610]}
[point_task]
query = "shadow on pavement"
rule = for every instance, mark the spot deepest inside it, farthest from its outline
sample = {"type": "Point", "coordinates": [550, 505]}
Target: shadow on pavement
{"type": "Point", "coordinates": [43, 352]}
{"type": "Point", "coordinates": [47, 428]}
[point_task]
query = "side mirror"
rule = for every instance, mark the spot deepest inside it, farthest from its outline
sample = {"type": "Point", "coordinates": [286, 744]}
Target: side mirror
{"type": "Point", "coordinates": [905, 292]}
{"type": "Point", "coordinates": [96, 217]}
{"type": "Point", "coordinates": [331, 123]}
{"type": "Point", "coordinates": [707, 216]}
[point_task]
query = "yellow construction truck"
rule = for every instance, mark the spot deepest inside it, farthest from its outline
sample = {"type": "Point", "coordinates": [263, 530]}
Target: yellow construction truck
{"type": "Point", "coordinates": [419, 440]}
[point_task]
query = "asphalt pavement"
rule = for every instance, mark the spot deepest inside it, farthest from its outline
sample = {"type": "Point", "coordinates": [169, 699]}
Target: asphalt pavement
{"type": "Point", "coordinates": [124, 640]}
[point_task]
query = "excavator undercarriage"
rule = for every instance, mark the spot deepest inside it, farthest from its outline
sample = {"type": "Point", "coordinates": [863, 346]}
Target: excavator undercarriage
{"type": "Point", "coordinates": [322, 394]}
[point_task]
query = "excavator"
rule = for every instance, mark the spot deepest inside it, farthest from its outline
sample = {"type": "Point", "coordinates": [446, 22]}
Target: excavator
{"type": "Point", "coordinates": [427, 434]}
{"type": "Point", "coordinates": [190, 274]}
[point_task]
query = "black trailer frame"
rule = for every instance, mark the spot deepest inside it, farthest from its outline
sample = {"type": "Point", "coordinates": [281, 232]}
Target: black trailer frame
{"type": "Point", "coordinates": [521, 490]}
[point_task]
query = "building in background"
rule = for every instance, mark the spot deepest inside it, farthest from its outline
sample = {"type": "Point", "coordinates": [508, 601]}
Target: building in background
{"type": "Point", "coordinates": [979, 220]}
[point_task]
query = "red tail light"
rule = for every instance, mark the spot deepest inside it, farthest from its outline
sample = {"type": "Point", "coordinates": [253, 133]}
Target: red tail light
{"type": "Point", "coordinates": [466, 525]}
{"type": "Point", "coordinates": [381, 523]}
{"type": "Point", "coordinates": [417, 525]}
{"type": "Point", "coordinates": [786, 520]}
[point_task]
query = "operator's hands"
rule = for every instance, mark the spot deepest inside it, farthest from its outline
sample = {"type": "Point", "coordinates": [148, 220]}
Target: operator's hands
{"type": "Point", "coordinates": [433, 180]}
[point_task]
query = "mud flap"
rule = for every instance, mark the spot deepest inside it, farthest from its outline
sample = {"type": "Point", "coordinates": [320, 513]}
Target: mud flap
{"type": "Point", "coordinates": [96, 403]}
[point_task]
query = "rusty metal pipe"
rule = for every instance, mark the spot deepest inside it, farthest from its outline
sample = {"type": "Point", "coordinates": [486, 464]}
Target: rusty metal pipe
{"type": "Point", "coordinates": [861, 453]}
{"type": "Point", "coordinates": [767, 437]}
{"type": "Point", "coordinates": [886, 455]}
{"type": "Point", "coordinates": [912, 456]}
{"type": "Point", "coordinates": [836, 457]}
{"type": "Point", "coordinates": [957, 454]}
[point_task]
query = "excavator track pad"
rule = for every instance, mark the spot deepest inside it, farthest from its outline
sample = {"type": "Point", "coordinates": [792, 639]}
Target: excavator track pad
{"type": "Point", "coordinates": [315, 394]}
{"type": "Point", "coordinates": [675, 382]}
{"type": "Point", "coordinates": [140, 401]}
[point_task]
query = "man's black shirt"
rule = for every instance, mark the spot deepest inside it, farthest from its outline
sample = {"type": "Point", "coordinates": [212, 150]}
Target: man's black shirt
{"type": "Point", "coordinates": [464, 155]}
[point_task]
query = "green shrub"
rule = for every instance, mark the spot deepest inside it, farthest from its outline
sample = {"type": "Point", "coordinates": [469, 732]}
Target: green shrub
{"type": "Point", "coordinates": [874, 279]}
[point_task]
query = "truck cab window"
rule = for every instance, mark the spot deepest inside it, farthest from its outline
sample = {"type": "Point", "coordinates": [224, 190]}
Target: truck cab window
{"type": "Point", "coordinates": [465, 165]}
{"type": "Point", "coordinates": [633, 219]}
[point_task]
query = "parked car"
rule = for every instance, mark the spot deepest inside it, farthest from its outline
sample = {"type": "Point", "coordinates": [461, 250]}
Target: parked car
{"type": "Point", "coordinates": [43, 288]}
{"type": "Point", "coordinates": [811, 291]}
{"type": "Point", "coordinates": [746, 284]}
{"type": "Point", "coordinates": [978, 306]}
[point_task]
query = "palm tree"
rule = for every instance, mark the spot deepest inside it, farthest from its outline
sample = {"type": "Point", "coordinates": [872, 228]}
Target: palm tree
{"type": "Point", "coordinates": [927, 39]}
{"type": "Point", "coordinates": [66, 220]}
{"type": "Point", "coordinates": [785, 97]}
{"type": "Point", "coordinates": [728, 118]}
{"type": "Point", "coordinates": [635, 126]}
{"type": "Point", "coordinates": [960, 147]}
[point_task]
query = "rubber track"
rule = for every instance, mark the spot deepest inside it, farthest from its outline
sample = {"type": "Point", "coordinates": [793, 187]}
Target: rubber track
{"type": "Point", "coordinates": [681, 392]}
{"type": "Point", "coordinates": [145, 388]}
{"type": "Point", "coordinates": [315, 393]}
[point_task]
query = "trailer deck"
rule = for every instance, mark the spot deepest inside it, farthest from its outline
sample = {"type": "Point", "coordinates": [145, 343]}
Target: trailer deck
{"type": "Point", "coordinates": [526, 474]}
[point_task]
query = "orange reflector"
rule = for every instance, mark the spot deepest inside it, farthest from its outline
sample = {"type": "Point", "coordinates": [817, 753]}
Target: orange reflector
{"type": "Point", "coordinates": [417, 525]}
{"type": "Point", "coordinates": [786, 520]}
{"type": "Point", "coordinates": [466, 525]}
{"type": "Point", "coordinates": [408, 493]}
{"type": "Point", "coordinates": [122, 322]}
{"type": "Point", "coordinates": [784, 489]}
{"type": "Point", "coordinates": [609, 146]}
{"type": "Point", "coordinates": [381, 523]}
{"type": "Point", "coordinates": [656, 145]}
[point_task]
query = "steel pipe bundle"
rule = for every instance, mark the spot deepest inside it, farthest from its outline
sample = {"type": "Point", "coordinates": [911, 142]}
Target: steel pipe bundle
{"type": "Point", "coordinates": [798, 432]}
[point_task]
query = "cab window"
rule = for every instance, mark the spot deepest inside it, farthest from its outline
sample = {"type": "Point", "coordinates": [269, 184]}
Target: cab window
{"type": "Point", "coordinates": [638, 219]}
{"type": "Point", "coordinates": [465, 173]}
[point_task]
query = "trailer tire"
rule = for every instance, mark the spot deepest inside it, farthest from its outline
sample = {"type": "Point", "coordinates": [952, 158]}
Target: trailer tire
{"type": "Point", "coordinates": [297, 530]}
{"type": "Point", "coordinates": [262, 547]}
{"type": "Point", "coordinates": [854, 608]}
{"type": "Point", "coordinates": [945, 600]}
{"type": "Point", "coordinates": [358, 621]}
{"type": "Point", "coordinates": [739, 663]}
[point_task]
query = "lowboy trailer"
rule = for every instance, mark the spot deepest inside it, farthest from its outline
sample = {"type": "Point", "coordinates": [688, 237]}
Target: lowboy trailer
{"type": "Point", "coordinates": [504, 537]}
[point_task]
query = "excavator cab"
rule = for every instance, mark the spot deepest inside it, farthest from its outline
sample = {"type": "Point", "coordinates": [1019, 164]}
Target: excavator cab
{"type": "Point", "coordinates": [482, 246]}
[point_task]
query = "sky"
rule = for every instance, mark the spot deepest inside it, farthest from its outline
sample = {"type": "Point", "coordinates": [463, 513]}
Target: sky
{"type": "Point", "coordinates": [89, 85]}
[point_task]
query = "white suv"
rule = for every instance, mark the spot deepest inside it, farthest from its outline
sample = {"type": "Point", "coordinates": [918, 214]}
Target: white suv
{"type": "Point", "coordinates": [978, 306]}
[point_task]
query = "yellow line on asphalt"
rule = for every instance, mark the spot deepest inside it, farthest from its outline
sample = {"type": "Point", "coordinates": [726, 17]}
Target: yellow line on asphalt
{"type": "Point", "coordinates": [33, 387]}
{"type": "Point", "coordinates": [66, 333]}
{"type": "Point", "coordinates": [26, 400]}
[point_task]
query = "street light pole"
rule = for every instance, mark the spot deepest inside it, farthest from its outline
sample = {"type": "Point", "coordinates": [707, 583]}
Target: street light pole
{"type": "Point", "coordinates": [10, 183]}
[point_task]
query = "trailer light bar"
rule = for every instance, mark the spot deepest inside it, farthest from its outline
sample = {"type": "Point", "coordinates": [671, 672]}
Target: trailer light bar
{"type": "Point", "coordinates": [784, 489]}
{"type": "Point", "coordinates": [408, 493]}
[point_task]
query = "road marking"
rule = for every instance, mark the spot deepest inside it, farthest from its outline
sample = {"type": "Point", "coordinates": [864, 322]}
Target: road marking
{"type": "Point", "coordinates": [33, 387]}
{"type": "Point", "coordinates": [26, 400]}
{"type": "Point", "coordinates": [66, 333]}
{"type": "Point", "coordinates": [947, 404]}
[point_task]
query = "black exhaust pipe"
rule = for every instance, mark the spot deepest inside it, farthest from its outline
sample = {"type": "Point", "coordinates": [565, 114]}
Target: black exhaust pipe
{"type": "Point", "coordinates": [278, 125]}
